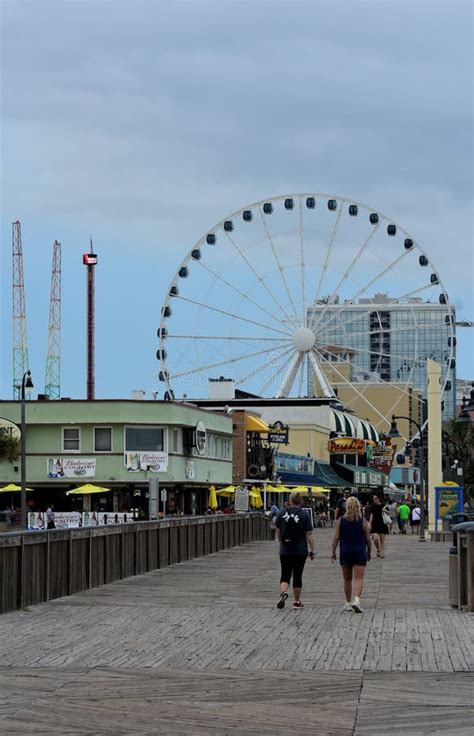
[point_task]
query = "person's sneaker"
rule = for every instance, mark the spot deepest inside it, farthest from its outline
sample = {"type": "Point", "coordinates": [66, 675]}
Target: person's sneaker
{"type": "Point", "coordinates": [356, 604]}
{"type": "Point", "coordinates": [298, 604]}
{"type": "Point", "coordinates": [282, 600]}
{"type": "Point", "coordinates": [347, 607]}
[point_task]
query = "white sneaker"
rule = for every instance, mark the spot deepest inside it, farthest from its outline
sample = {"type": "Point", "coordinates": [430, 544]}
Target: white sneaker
{"type": "Point", "coordinates": [347, 607]}
{"type": "Point", "coordinates": [356, 605]}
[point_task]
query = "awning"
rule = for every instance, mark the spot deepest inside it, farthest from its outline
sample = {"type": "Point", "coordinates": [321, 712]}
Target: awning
{"type": "Point", "coordinates": [255, 424]}
{"type": "Point", "coordinates": [351, 426]}
{"type": "Point", "coordinates": [357, 475]}
{"type": "Point", "coordinates": [326, 476]}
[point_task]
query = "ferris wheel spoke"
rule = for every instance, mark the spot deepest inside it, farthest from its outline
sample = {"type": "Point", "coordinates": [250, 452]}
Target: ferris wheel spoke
{"type": "Point", "coordinates": [392, 330]}
{"type": "Point", "coordinates": [416, 291]}
{"type": "Point", "coordinates": [365, 289]}
{"type": "Point", "coordinates": [301, 376]}
{"type": "Point", "coordinates": [260, 279]}
{"type": "Point", "coordinates": [326, 388]}
{"type": "Point", "coordinates": [231, 314]}
{"type": "Point", "coordinates": [229, 361]}
{"type": "Point", "coordinates": [302, 259]}
{"type": "Point", "coordinates": [238, 291]}
{"type": "Point", "coordinates": [296, 321]}
{"type": "Point", "coordinates": [290, 375]}
{"type": "Point", "coordinates": [228, 337]}
{"type": "Point", "coordinates": [348, 271]}
{"type": "Point", "coordinates": [277, 371]}
{"type": "Point", "coordinates": [279, 353]}
{"type": "Point", "coordinates": [328, 254]}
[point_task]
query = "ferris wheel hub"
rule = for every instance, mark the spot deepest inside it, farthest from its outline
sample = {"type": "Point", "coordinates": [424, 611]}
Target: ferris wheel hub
{"type": "Point", "coordinates": [303, 339]}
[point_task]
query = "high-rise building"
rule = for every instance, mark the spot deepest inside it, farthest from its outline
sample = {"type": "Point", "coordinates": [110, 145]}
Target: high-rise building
{"type": "Point", "coordinates": [388, 341]}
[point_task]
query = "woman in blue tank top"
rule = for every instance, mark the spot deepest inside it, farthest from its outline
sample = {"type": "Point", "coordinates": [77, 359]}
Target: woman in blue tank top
{"type": "Point", "coordinates": [352, 534]}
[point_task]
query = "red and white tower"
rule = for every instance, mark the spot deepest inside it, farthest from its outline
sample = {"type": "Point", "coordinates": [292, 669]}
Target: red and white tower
{"type": "Point", "coordinates": [90, 261]}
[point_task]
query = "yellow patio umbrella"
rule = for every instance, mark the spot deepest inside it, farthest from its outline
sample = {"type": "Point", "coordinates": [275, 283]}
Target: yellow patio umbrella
{"type": "Point", "coordinates": [320, 489]}
{"type": "Point", "coordinates": [12, 488]}
{"type": "Point", "coordinates": [226, 492]}
{"type": "Point", "coordinates": [300, 489]}
{"type": "Point", "coordinates": [255, 498]}
{"type": "Point", "coordinates": [278, 489]}
{"type": "Point", "coordinates": [86, 490]}
{"type": "Point", "coordinates": [212, 503]}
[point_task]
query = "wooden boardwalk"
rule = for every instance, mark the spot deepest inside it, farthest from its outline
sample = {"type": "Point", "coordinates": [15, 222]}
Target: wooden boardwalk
{"type": "Point", "coordinates": [200, 648]}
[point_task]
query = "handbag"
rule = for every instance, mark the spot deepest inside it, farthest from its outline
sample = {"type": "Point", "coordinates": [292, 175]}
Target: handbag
{"type": "Point", "coordinates": [386, 518]}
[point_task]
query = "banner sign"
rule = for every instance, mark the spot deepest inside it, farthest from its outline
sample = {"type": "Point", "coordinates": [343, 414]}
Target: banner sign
{"type": "Point", "coordinates": [285, 461]}
{"type": "Point", "coordinates": [278, 433]}
{"type": "Point", "coordinates": [347, 446]}
{"type": "Point", "coordinates": [449, 500]}
{"type": "Point", "coordinates": [10, 429]}
{"type": "Point", "coordinates": [156, 462]}
{"type": "Point", "coordinates": [71, 467]}
{"type": "Point", "coordinates": [241, 499]}
{"type": "Point", "coordinates": [381, 456]}
{"type": "Point", "coordinates": [77, 519]}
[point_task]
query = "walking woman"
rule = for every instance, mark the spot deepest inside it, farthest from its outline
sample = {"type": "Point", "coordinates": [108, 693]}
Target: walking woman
{"type": "Point", "coordinates": [352, 534]}
{"type": "Point", "coordinates": [378, 527]}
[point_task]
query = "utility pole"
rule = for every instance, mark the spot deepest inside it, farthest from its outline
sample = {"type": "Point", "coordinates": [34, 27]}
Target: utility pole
{"type": "Point", "coordinates": [20, 344]}
{"type": "Point", "coordinates": [52, 386]}
{"type": "Point", "coordinates": [90, 261]}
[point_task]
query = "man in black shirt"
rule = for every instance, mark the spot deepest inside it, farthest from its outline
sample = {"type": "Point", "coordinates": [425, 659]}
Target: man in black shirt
{"type": "Point", "coordinates": [294, 531]}
{"type": "Point", "coordinates": [341, 504]}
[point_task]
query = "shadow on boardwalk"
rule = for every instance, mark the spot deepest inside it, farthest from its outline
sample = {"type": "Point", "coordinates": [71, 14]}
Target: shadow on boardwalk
{"type": "Point", "coordinates": [199, 648]}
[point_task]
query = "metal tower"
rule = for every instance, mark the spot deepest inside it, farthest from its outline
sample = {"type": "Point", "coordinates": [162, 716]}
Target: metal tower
{"type": "Point", "coordinates": [20, 344]}
{"type": "Point", "coordinates": [90, 260]}
{"type": "Point", "coordinates": [52, 386]}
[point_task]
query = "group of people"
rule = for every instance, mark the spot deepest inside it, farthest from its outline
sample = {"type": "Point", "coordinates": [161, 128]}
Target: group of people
{"type": "Point", "coordinates": [355, 529]}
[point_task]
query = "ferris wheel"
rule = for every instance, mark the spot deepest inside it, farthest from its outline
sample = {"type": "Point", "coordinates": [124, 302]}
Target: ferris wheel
{"type": "Point", "coordinates": [307, 295]}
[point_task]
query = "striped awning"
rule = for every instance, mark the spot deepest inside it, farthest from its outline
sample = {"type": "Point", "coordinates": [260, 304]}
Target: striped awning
{"type": "Point", "coordinates": [352, 426]}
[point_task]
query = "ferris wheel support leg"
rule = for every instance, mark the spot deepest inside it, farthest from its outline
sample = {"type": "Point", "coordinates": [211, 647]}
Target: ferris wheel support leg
{"type": "Point", "coordinates": [326, 388]}
{"type": "Point", "coordinates": [290, 376]}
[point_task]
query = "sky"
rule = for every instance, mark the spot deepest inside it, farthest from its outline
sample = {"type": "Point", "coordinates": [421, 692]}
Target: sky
{"type": "Point", "coordinates": [143, 123]}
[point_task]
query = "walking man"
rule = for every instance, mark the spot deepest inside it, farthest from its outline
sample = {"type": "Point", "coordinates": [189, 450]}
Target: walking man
{"type": "Point", "coordinates": [403, 515]}
{"type": "Point", "coordinates": [294, 532]}
{"type": "Point", "coordinates": [341, 504]}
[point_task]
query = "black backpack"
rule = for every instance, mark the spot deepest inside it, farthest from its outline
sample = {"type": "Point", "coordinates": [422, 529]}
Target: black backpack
{"type": "Point", "coordinates": [291, 531]}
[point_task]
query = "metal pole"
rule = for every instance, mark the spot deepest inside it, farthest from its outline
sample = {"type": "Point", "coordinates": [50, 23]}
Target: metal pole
{"type": "Point", "coordinates": [422, 490]}
{"type": "Point", "coordinates": [23, 455]}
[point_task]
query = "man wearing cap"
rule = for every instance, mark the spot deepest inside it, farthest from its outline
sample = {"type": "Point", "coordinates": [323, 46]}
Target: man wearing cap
{"type": "Point", "coordinates": [341, 504]}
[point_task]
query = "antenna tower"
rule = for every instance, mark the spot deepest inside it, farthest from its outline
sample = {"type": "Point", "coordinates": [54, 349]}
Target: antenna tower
{"type": "Point", "coordinates": [52, 386]}
{"type": "Point", "coordinates": [90, 261]}
{"type": "Point", "coordinates": [20, 344]}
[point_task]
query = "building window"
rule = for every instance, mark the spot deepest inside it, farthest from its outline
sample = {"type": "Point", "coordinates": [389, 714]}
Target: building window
{"type": "Point", "coordinates": [176, 441]}
{"type": "Point", "coordinates": [71, 439]}
{"type": "Point", "coordinates": [141, 439]}
{"type": "Point", "coordinates": [102, 439]}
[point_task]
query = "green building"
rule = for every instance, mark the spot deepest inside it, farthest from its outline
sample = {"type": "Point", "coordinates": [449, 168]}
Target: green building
{"type": "Point", "coordinates": [120, 444]}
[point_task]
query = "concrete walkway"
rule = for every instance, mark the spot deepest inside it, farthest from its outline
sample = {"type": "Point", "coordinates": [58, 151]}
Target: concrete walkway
{"type": "Point", "coordinates": [200, 648]}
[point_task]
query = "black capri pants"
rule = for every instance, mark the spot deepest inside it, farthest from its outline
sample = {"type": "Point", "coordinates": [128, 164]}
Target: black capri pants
{"type": "Point", "coordinates": [292, 565]}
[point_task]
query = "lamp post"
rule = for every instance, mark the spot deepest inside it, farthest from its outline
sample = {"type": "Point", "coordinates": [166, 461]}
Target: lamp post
{"type": "Point", "coordinates": [394, 432]}
{"type": "Point", "coordinates": [26, 382]}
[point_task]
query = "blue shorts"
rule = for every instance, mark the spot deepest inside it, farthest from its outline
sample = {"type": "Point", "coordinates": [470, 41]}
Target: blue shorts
{"type": "Point", "coordinates": [357, 557]}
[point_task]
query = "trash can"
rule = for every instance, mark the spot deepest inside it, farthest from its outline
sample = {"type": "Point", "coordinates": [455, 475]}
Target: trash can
{"type": "Point", "coordinates": [461, 566]}
{"type": "Point", "coordinates": [457, 518]}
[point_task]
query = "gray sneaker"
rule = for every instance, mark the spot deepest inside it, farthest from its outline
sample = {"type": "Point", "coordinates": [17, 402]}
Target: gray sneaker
{"type": "Point", "coordinates": [356, 604]}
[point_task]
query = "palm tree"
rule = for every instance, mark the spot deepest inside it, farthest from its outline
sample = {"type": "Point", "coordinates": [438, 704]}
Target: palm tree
{"type": "Point", "coordinates": [9, 448]}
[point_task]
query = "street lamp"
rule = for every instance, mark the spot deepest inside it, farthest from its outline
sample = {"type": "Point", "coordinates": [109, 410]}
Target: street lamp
{"type": "Point", "coordinates": [466, 409]}
{"type": "Point", "coordinates": [26, 382]}
{"type": "Point", "coordinates": [394, 432]}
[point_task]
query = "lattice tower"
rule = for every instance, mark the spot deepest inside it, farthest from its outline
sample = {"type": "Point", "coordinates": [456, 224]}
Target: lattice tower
{"type": "Point", "coordinates": [53, 356]}
{"type": "Point", "coordinates": [20, 343]}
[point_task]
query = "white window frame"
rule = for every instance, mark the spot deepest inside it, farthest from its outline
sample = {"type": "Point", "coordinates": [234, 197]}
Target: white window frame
{"type": "Point", "coordinates": [146, 426]}
{"type": "Point", "coordinates": [179, 450]}
{"type": "Point", "coordinates": [63, 449]}
{"type": "Point", "coordinates": [103, 426]}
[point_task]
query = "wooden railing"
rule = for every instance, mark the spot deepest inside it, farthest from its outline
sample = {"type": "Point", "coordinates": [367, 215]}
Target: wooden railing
{"type": "Point", "coordinates": [39, 566]}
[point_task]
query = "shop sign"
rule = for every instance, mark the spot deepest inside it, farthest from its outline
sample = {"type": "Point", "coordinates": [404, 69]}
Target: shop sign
{"type": "Point", "coordinates": [278, 433]}
{"type": "Point", "coordinates": [285, 461]}
{"type": "Point", "coordinates": [190, 470]}
{"type": "Point", "coordinates": [78, 519]}
{"type": "Point", "coordinates": [154, 461]}
{"type": "Point", "coordinates": [201, 438]}
{"type": "Point", "coordinates": [347, 446]}
{"type": "Point", "coordinates": [9, 429]}
{"type": "Point", "coordinates": [381, 456]}
{"type": "Point", "coordinates": [449, 500]}
{"type": "Point", "coordinates": [241, 499]}
{"type": "Point", "coordinates": [71, 467]}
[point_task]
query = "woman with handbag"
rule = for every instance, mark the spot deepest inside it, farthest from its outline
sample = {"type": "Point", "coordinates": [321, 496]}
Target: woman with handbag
{"type": "Point", "coordinates": [378, 526]}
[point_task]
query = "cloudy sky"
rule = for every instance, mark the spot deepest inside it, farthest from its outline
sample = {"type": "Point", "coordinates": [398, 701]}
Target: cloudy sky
{"type": "Point", "coordinates": [143, 123]}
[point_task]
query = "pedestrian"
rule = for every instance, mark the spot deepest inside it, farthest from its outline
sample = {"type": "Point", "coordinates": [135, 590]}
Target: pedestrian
{"type": "Point", "coordinates": [393, 512]}
{"type": "Point", "coordinates": [50, 517]}
{"type": "Point", "coordinates": [341, 504]}
{"type": "Point", "coordinates": [294, 532]}
{"type": "Point", "coordinates": [352, 534]}
{"type": "Point", "coordinates": [378, 526]}
{"type": "Point", "coordinates": [416, 518]}
{"type": "Point", "coordinates": [403, 516]}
